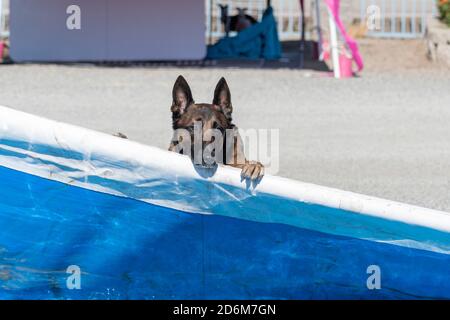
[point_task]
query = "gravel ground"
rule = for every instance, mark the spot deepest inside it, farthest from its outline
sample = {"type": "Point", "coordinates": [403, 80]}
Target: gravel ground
{"type": "Point", "coordinates": [385, 133]}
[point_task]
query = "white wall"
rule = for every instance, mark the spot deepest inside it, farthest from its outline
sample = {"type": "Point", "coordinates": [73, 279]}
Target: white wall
{"type": "Point", "coordinates": [110, 30]}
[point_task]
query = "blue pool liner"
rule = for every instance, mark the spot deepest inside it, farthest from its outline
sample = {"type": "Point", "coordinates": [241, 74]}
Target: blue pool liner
{"type": "Point", "coordinates": [143, 223]}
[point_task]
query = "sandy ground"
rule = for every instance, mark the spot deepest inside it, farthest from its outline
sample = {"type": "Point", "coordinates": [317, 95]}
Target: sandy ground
{"type": "Point", "coordinates": [395, 55]}
{"type": "Point", "coordinates": [385, 133]}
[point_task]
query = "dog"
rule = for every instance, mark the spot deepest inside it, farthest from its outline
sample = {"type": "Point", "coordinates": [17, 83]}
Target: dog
{"type": "Point", "coordinates": [190, 117]}
{"type": "Point", "coordinates": [239, 22]}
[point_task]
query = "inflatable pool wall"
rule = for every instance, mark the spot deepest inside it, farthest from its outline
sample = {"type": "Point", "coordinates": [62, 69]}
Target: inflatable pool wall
{"type": "Point", "coordinates": [85, 215]}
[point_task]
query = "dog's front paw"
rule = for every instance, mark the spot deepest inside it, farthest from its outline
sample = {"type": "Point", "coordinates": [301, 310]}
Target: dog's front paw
{"type": "Point", "coordinates": [252, 170]}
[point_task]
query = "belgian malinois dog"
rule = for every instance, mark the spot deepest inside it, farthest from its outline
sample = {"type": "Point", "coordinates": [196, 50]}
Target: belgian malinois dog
{"type": "Point", "coordinates": [206, 132]}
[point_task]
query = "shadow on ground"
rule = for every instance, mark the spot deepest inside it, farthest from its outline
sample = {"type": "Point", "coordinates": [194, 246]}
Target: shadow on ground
{"type": "Point", "coordinates": [291, 59]}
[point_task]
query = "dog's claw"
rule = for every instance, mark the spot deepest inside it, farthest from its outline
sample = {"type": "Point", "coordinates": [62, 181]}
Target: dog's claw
{"type": "Point", "coordinates": [252, 170]}
{"type": "Point", "coordinates": [246, 171]}
{"type": "Point", "coordinates": [256, 173]}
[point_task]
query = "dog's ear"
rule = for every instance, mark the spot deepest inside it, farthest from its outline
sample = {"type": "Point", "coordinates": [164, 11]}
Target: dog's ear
{"type": "Point", "coordinates": [222, 98]}
{"type": "Point", "coordinates": [182, 96]}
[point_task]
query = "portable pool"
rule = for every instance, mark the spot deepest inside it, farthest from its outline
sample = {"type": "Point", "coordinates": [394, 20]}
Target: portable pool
{"type": "Point", "coordinates": [85, 215]}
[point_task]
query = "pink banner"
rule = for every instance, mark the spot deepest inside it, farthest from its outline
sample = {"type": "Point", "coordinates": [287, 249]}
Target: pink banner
{"type": "Point", "coordinates": [333, 5]}
{"type": "Point", "coordinates": [2, 45]}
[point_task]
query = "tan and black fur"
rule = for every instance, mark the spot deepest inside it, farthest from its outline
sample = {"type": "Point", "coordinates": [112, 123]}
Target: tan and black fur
{"type": "Point", "coordinates": [218, 115]}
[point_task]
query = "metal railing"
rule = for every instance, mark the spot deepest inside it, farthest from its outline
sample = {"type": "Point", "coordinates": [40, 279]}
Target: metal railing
{"type": "Point", "coordinates": [396, 18]}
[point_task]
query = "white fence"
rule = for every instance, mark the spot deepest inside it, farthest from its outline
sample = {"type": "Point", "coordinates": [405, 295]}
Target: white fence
{"type": "Point", "coordinates": [396, 18]}
{"type": "Point", "coordinates": [4, 18]}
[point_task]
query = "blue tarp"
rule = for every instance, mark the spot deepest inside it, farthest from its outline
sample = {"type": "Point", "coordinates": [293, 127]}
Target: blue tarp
{"type": "Point", "coordinates": [260, 41]}
{"type": "Point", "coordinates": [127, 249]}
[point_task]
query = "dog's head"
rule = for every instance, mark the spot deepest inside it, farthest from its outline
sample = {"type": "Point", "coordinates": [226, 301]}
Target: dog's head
{"type": "Point", "coordinates": [201, 120]}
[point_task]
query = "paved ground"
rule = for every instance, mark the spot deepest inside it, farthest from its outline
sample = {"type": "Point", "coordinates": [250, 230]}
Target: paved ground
{"type": "Point", "coordinates": [385, 133]}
